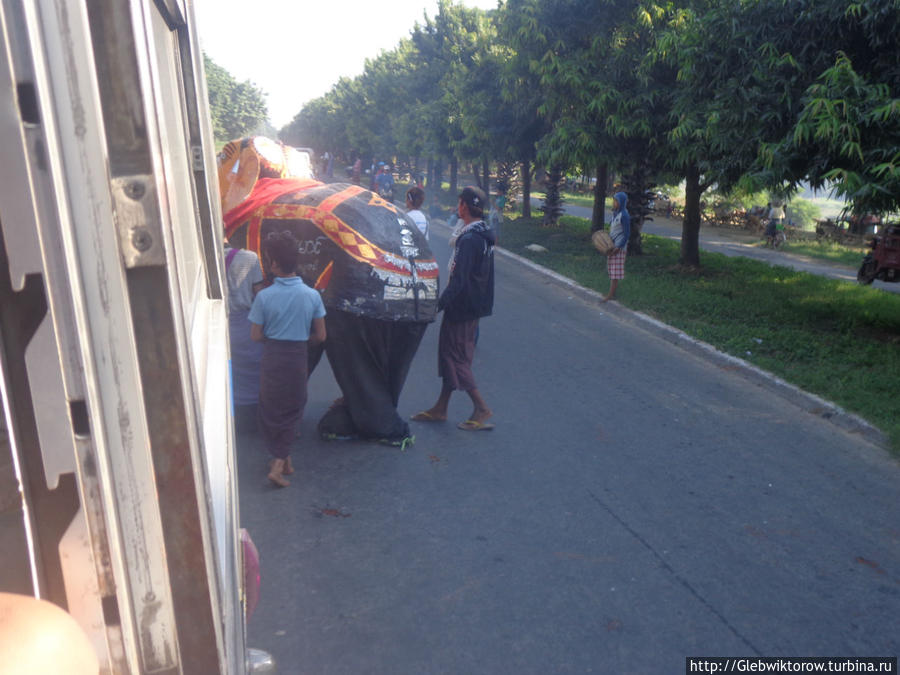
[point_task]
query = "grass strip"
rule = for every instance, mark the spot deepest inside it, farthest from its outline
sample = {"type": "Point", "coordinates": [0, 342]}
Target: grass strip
{"type": "Point", "coordinates": [851, 256]}
{"type": "Point", "coordinates": [835, 339]}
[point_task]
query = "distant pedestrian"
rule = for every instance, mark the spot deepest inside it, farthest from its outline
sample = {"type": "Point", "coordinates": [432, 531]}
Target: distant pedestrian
{"type": "Point", "coordinates": [245, 280]}
{"type": "Point", "coordinates": [775, 222]}
{"type": "Point", "coordinates": [495, 216]}
{"type": "Point", "coordinates": [374, 171]}
{"type": "Point", "coordinates": [286, 317]}
{"type": "Point", "coordinates": [469, 295]}
{"type": "Point", "coordinates": [415, 197]}
{"type": "Point", "coordinates": [620, 231]}
{"type": "Point", "coordinates": [357, 171]}
{"type": "Point", "coordinates": [384, 183]}
{"type": "Point", "coordinates": [455, 225]}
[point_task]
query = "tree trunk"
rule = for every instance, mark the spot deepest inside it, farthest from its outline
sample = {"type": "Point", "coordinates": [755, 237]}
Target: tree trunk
{"type": "Point", "coordinates": [486, 173]}
{"type": "Point", "coordinates": [439, 175]}
{"type": "Point", "coordinates": [526, 189]}
{"type": "Point", "coordinates": [454, 176]}
{"type": "Point", "coordinates": [553, 200]}
{"type": "Point", "coordinates": [690, 227]}
{"type": "Point", "coordinates": [430, 177]}
{"type": "Point", "coordinates": [598, 215]}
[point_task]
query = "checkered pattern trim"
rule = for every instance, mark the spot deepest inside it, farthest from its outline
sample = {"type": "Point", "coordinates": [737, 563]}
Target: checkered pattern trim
{"type": "Point", "coordinates": [615, 265]}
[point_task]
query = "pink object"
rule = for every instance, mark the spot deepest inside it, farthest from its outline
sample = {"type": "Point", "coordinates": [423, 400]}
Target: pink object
{"type": "Point", "coordinates": [251, 573]}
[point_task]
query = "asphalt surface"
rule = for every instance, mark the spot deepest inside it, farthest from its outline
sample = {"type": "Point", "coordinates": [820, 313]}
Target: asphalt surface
{"type": "Point", "coordinates": [637, 504]}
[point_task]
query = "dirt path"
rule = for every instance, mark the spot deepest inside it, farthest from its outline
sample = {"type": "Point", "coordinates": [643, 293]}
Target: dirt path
{"type": "Point", "coordinates": [732, 242]}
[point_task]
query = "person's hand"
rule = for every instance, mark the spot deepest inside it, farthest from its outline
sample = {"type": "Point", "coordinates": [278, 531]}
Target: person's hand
{"type": "Point", "coordinates": [614, 250]}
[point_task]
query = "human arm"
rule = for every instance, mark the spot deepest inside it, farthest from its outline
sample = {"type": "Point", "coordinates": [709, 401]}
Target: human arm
{"type": "Point", "coordinates": [317, 332]}
{"type": "Point", "coordinates": [621, 234]}
{"type": "Point", "coordinates": [461, 269]}
{"type": "Point", "coordinates": [256, 317]}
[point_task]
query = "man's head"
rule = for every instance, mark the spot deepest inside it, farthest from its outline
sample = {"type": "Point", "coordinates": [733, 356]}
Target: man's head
{"type": "Point", "coordinates": [472, 200]}
{"type": "Point", "coordinates": [415, 196]}
{"type": "Point", "coordinates": [283, 249]}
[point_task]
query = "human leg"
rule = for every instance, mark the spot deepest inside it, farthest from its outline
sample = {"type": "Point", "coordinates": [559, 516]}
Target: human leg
{"type": "Point", "coordinates": [282, 398]}
{"type": "Point", "coordinates": [437, 412]}
{"type": "Point", "coordinates": [613, 285]}
{"type": "Point", "coordinates": [480, 410]}
{"type": "Point", "coordinates": [615, 267]}
{"type": "Point", "coordinates": [456, 349]}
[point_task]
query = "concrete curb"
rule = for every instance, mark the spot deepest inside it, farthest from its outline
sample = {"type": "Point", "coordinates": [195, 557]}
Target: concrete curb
{"type": "Point", "coordinates": [811, 403]}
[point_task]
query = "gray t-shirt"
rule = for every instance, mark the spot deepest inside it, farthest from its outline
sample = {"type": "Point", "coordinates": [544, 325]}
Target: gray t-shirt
{"type": "Point", "coordinates": [420, 220]}
{"type": "Point", "coordinates": [242, 273]}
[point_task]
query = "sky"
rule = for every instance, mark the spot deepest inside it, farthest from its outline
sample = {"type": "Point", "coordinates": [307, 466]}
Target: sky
{"type": "Point", "coordinates": [296, 50]}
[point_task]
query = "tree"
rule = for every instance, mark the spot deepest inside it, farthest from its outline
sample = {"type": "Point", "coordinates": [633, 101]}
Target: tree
{"type": "Point", "coordinates": [237, 108]}
{"type": "Point", "coordinates": [606, 106]}
{"type": "Point", "coordinates": [847, 132]}
{"type": "Point", "coordinates": [317, 126]}
{"type": "Point", "coordinates": [766, 99]}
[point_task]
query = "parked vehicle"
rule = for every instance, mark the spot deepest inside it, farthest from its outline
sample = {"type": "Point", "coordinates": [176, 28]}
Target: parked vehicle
{"type": "Point", "coordinates": [883, 262]}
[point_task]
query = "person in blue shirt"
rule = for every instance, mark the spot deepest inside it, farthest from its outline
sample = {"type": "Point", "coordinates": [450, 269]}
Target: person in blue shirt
{"type": "Point", "coordinates": [286, 317]}
{"type": "Point", "coordinates": [384, 183]}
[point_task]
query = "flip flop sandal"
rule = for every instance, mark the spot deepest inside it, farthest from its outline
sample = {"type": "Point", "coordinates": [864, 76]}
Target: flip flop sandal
{"type": "Point", "coordinates": [426, 416]}
{"type": "Point", "coordinates": [474, 425]}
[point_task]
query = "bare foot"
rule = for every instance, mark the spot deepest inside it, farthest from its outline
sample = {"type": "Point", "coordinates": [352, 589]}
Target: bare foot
{"type": "Point", "coordinates": [276, 473]}
{"type": "Point", "coordinates": [481, 416]}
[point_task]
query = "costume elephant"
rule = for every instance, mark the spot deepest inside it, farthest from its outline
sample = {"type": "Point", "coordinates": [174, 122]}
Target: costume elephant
{"type": "Point", "coordinates": [377, 276]}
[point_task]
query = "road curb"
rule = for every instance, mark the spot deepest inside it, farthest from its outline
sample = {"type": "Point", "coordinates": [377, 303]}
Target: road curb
{"type": "Point", "coordinates": [811, 403]}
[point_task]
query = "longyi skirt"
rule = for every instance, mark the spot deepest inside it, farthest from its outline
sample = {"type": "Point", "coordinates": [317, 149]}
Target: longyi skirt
{"type": "Point", "coordinates": [456, 349]}
{"type": "Point", "coordinates": [282, 393]}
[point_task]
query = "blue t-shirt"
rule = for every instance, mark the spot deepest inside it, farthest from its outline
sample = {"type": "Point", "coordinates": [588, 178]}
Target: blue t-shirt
{"type": "Point", "coordinates": [286, 309]}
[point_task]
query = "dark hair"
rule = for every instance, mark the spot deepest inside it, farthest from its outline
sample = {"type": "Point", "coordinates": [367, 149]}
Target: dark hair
{"type": "Point", "coordinates": [474, 198]}
{"type": "Point", "coordinates": [416, 196]}
{"type": "Point", "coordinates": [283, 248]}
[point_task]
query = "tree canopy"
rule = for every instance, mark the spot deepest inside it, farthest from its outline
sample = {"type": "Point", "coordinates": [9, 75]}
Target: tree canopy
{"type": "Point", "coordinates": [756, 94]}
{"type": "Point", "coordinates": [236, 108]}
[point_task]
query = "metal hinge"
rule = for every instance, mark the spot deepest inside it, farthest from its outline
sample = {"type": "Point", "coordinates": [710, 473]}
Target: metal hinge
{"type": "Point", "coordinates": [137, 221]}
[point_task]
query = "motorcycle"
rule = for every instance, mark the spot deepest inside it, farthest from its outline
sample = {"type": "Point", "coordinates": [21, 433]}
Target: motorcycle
{"type": "Point", "coordinates": [884, 260]}
{"type": "Point", "coordinates": [386, 192]}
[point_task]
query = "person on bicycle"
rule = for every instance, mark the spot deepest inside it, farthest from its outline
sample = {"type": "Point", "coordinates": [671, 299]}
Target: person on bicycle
{"type": "Point", "coordinates": [776, 220]}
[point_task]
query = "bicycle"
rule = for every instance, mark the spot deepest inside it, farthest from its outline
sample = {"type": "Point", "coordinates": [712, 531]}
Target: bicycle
{"type": "Point", "coordinates": [777, 237]}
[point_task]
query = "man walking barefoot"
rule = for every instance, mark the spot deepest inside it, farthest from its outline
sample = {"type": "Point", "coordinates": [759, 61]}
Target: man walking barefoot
{"type": "Point", "coordinates": [469, 295]}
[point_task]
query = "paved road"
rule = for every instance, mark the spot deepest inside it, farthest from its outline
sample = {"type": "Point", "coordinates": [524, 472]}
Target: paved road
{"type": "Point", "coordinates": [736, 243]}
{"type": "Point", "coordinates": [635, 505]}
